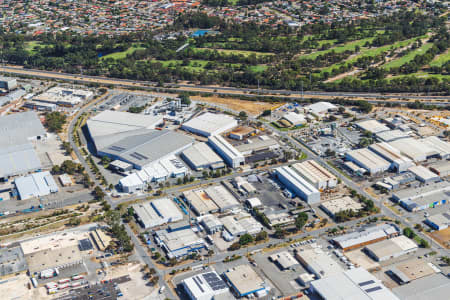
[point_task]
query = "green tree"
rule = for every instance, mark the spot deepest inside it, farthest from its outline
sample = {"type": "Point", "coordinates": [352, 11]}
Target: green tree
{"type": "Point", "coordinates": [261, 236]}
{"type": "Point", "coordinates": [301, 220]}
{"type": "Point", "coordinates": [245, 239]}
{"type": "Point", "coordinates": [55, 121]}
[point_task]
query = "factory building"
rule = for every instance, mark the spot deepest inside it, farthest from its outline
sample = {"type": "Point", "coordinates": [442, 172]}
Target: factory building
{"type": "Point", "coordinates": [320, 177]}
{"type": "Point", "coordinates": [391, 248]}
{"type": "Point", "coordinates": [279, 218]}
{"type": "Point", "coordinates": [365, 237]}
{"type": "Point", "coordinates": [239, 224]}
{"type": "Point", "coordinates": [205, 286]}
{"type": "Point", "coordinates": [317, 261]}
{"type": "Point", "coordinates": [200, 156]}
{"type": "Point", "coordinates": [294, 119]}
{"type": "Point", "coordinates": [423, 174]}
{"type": "Point", "coordinates": [242, 133]}
{"type": "Point", "coordinates": [100, 239]}
{"type": "Point", "coordinates": [40, 106]}
{"type": "Point", "coordinates": [440, 146]}
{"type": "Point", "coordinates": [391, 135]}
{"type": "Point", "coordinates": [209, 124]}
{"type": "Point", "coordinates": [372, 126]}
{"type": "Point", "coordinates": [284, 260]}
{"type": "Point", "coordinates": [320, 109]}
{"type": "Point", "coordinates": [298, 185]}
{"type": "Point", "coordinates": [335, 206]}
{"type": "Point", "coordinates": [399, 162]}
{"type": "Point", "coordinates": [212, 199]}
{"type": "Point", "coordinates": [414, 199]}
{"type": "Point", "coordinates": [7, 83]}
{"type": "Point", "coordinates": [435, 286]}
{"type": "Point", "coordinates": [157, 172]}
{"type": "Point", "coordinates": [179, 243]}
{"type": "Point", "coordinates": [233, 227]}
{"type": "Point", "coordinates": [64, 97]}
{"type": "Point", "coordinates": [224, 200]}
{"type": "Point", "coordinates": [351, 284]}
{"type": "Point", "coordinates": [53, 251]}
{"type": "Point", "coordinates": [411, 270]}
{"type": "Point", "coordinates": [245, 281]}
{"type": "Point", "coordinates": [441, 168]}
{"type": "Point", "coordinates": [413, 149]}
{"type": "Point", "coordinates": [17, 155]}
{"type": "Point", "coordinates": [439, 221]}
{"type": "Point", "coordinates": [35, 185]}
{"type": "Point", "coordinates": [368, 160]}
{"type": "Point", "coordinates": [211, 223]}
{"type": "Point", "coordinates": [157, 212]}
{"type": "Point", "coordinates": [257, 144]}
{"type": "Point", "coordinates": [230, 154]}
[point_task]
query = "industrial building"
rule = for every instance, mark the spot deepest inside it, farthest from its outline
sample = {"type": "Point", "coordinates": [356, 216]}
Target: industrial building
{"type": "Point", "coordinates": [317, 261]}
{"type": "Point", "coordinates": [169, 166]}
{"type": "Point", "coordinates": [423, 174]}
{"type": "Point", "coordinates": [157, 212]}
{"type": "Point", "coordinates": [399, 162]}
{"type": "Point", "coordinates": [7, 83]}
{"type": "Point", "coordinates": [368, 160]}
{"type": "Point", "coordinates": [391, 248]}
{"type": "Point", "coordinates": [243, 185]}
{"type": "Point", "coordinates": [335, 206]}
{"type": "Point", "coordinates": [366, 236]}
{"type": "Point", "coordinates": [233, 227]}
{"type": "Point", "coordinates": [12, 260]}
{"type": "Point", "coordinates": [320, 177]}
{"type": "Point", "coordinates": [64, 96]}
{"type": "Point", "coordinates": [211, 223]}
{"type": "Point", "coordinates": [245, 281]}
{"type": "Point", "coordinates": [439, 221]}
{"type": "Point", "coordinates": [436, 286]}
{"type": "Point", "coordinates": [200, 156]}
{"type": "Point", "coordinates": [295, 183]}
{"type": "Point", "coordinates": [279, 218]}
{"type": "Point", "coordinates": [209, 124]}
{"type": "Point", "coordinates": [205, 286]}
{"type": "Point", "coordinates": [35, 185]}
{"type": "Point", "coordinates": [411, 270]}
{"type": "Point", "coordinates": [391, 135]}
{"type": "Point", "coordinates": [17, 155]}
{"type": "Point", "coordinates": [414, 199]}
{"type": "Point", "coordinates": [65, 179]}
{"type": "Point", "coordinates": [179, 243]}
{"type": "Point", "coordinates": [320, 109]}
{"type": "Point", "coordinates": [440, 146]}
{"type": "Point", "coordinates": [442, 168]}
{"type": "Point", "coordinates": [40, 106]}
{"type": "Point", "coordinates": [100, 239]}
{"type": "Point", "coordinates": [413, 149]}
{"type": "Point", "coordinates": [294, 119]}
{"type": "Point", "coordinates": [372, 126]}
{"type": "Point", "coordinates": [200, 202]}
{"type": "Point", "coordinates": [257, 144]}
{"type": "Point", "coordinates": [241, 133]}
{"type": "Point", "coordinates": [229, 153]}
{"type": "Point", "coordinates": [351, 284]}
{"type": "Point", "coordinates": [239, 224]}
{"type": "Point", "coordinates": [53, 251]}
{"type": "Point", "coordinates": [254, 202]}
{"type": "Point", "coordinates": [284, 260]}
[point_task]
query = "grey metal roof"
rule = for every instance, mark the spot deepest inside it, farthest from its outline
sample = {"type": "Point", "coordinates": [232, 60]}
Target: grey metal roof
{"type": "Point", "coordinates": [17, 128]}
{"type": "Point", "coordinates": [201, 154]}
{"type": "Point", "coordinates": [18, 160]}
{"type": "Point", "coordinates": [142, 149]}
{"type": "Point", "coordinates": [436, 286]}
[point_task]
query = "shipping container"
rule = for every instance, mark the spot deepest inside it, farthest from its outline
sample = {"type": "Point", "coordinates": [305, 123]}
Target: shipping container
{"type": "Point", "coordinates": [63, 286]}
{"type": "Point", "coordinates": [63, 280]}
{"type": "Point", "coordinates": [52, 291]}
{"type": "Point", "coordinates": [74, 284]}
{"type": "Point", "coordinates": [77, 277]}
{"type": "Point", "coordinates": [51, 285]}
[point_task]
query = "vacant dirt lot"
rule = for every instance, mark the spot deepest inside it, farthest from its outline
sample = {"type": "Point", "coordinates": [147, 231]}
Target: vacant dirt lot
{"type": "Point", "coordinates": [442, 237]}
{"type": "Point", "coordinates": [254, 108]}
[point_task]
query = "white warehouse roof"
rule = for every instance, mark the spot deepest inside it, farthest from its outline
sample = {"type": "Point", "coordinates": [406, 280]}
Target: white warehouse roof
{"type": "Point", "coordinates": [36, 185]}
{"type": "Point", "coordinates": [442, 147]}
{"type": "Point", "coordinates": [392, 155]}
{"type": "Point", "coordinates": [352, 284]}
{"type": "Point", "coordinates": [200, 156]}
{"type": "Point", "coordinates": [368, 160]}
{"type": "Point", "coordinates": [205, 286]}
{"type": "Point", "coordinates": [302, 187]}
{"type": "Point", "coordinates": [209, 124]}
{"type": "Point", "coordinates": [413, 149]}
{"type": "Point", "coordinates": [157, 212]}
{"type": "Point", "coordinates": [372, 126]}
{"type": "Point", "coordinates": [294, 118]}
{"type": "Point", "coordinates": [320, 107]}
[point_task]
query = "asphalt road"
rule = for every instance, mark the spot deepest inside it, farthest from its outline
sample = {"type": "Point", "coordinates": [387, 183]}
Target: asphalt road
{"type": "Point", "coordinates": [376, 97]}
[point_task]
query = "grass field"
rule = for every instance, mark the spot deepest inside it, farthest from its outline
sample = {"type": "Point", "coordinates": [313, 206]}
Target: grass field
{"type": "Point", "coordinates": [408, 57]}
{"type": "Point", "coordinates": [236, 52]}
{"type": "Point", "coordinates": [371, 52]}
{"type": "Point", "coordinates": [441, 59]}
{"type": "Point", "coordinates": [122, 54]}
{"type": "Point", "coordinates": [338, 49]}
{"type": "Point", "coordinates": [422, 75]}
{"type": "Point", "coordinates": [31, 46]}
{"type": "Point", "coordinates": [258, 68]}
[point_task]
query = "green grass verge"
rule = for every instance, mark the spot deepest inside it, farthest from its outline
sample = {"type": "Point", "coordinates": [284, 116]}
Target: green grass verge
{"type": "Point", "coordinates": [236, 52]}
{"type": "Point", "coordinates": [339, 49]}
{"type": "Point", "coordinates": [122, 54]}
{"type": "Point", "coordinates": [441, 59]}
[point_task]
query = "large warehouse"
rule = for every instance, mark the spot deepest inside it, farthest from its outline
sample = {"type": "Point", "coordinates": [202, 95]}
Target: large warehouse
{"type": "Point", "coordinates": [157, 212]}
{"type": "Point", "coordinates": [35, 185]}
{"type": "Point", "coordinates": [200, 156]}
{"type": "Point", "coordinates": [209, 124]}
{"type": "Point", "coordinates": [17, 155]}
{"type": "Point", "coordinates": [320, 177]}
{"type": "Point", "coordinates": [414, 199]}
{"type": "Point", "coordinates": [335, 206]}
{"type": "Point", "coordinates": [317, 261]}
{"type": "Point", "coordinates": [368, 160]}
{"type": "Point", "coordinates": [414, 149]}
{"type": "Point", "coordinates": [179, 243]}
{"type": "Point", "coordinates": [298, 185]}
{"type": "Point", "coordinates": [372, 126]}
{"type": "Point", "coordinates": [365, 237]}
{"type": "Point", "coordinates": [399, 162]}
{"type": "Point", "coordinates": [205, 286]}
{"type": "Point", "coordinates": [230, 154]}
{"type": "Point", "coordinates": [64, 96]}
{"type": "Point", "coordinates": [212, 199]}
{"type": "Point", "coordinates": [423, 174]}
{"type": "Point", "coordinates": [8, 83]}
{"type": "Point", "coordinates": [440, 146]}
{"type": "Point", "coordinates": [351, 284]}
{"type": "Point", "coordinates": [391, 248]}
{"type": "Point", "coordinates": [244, 280]}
